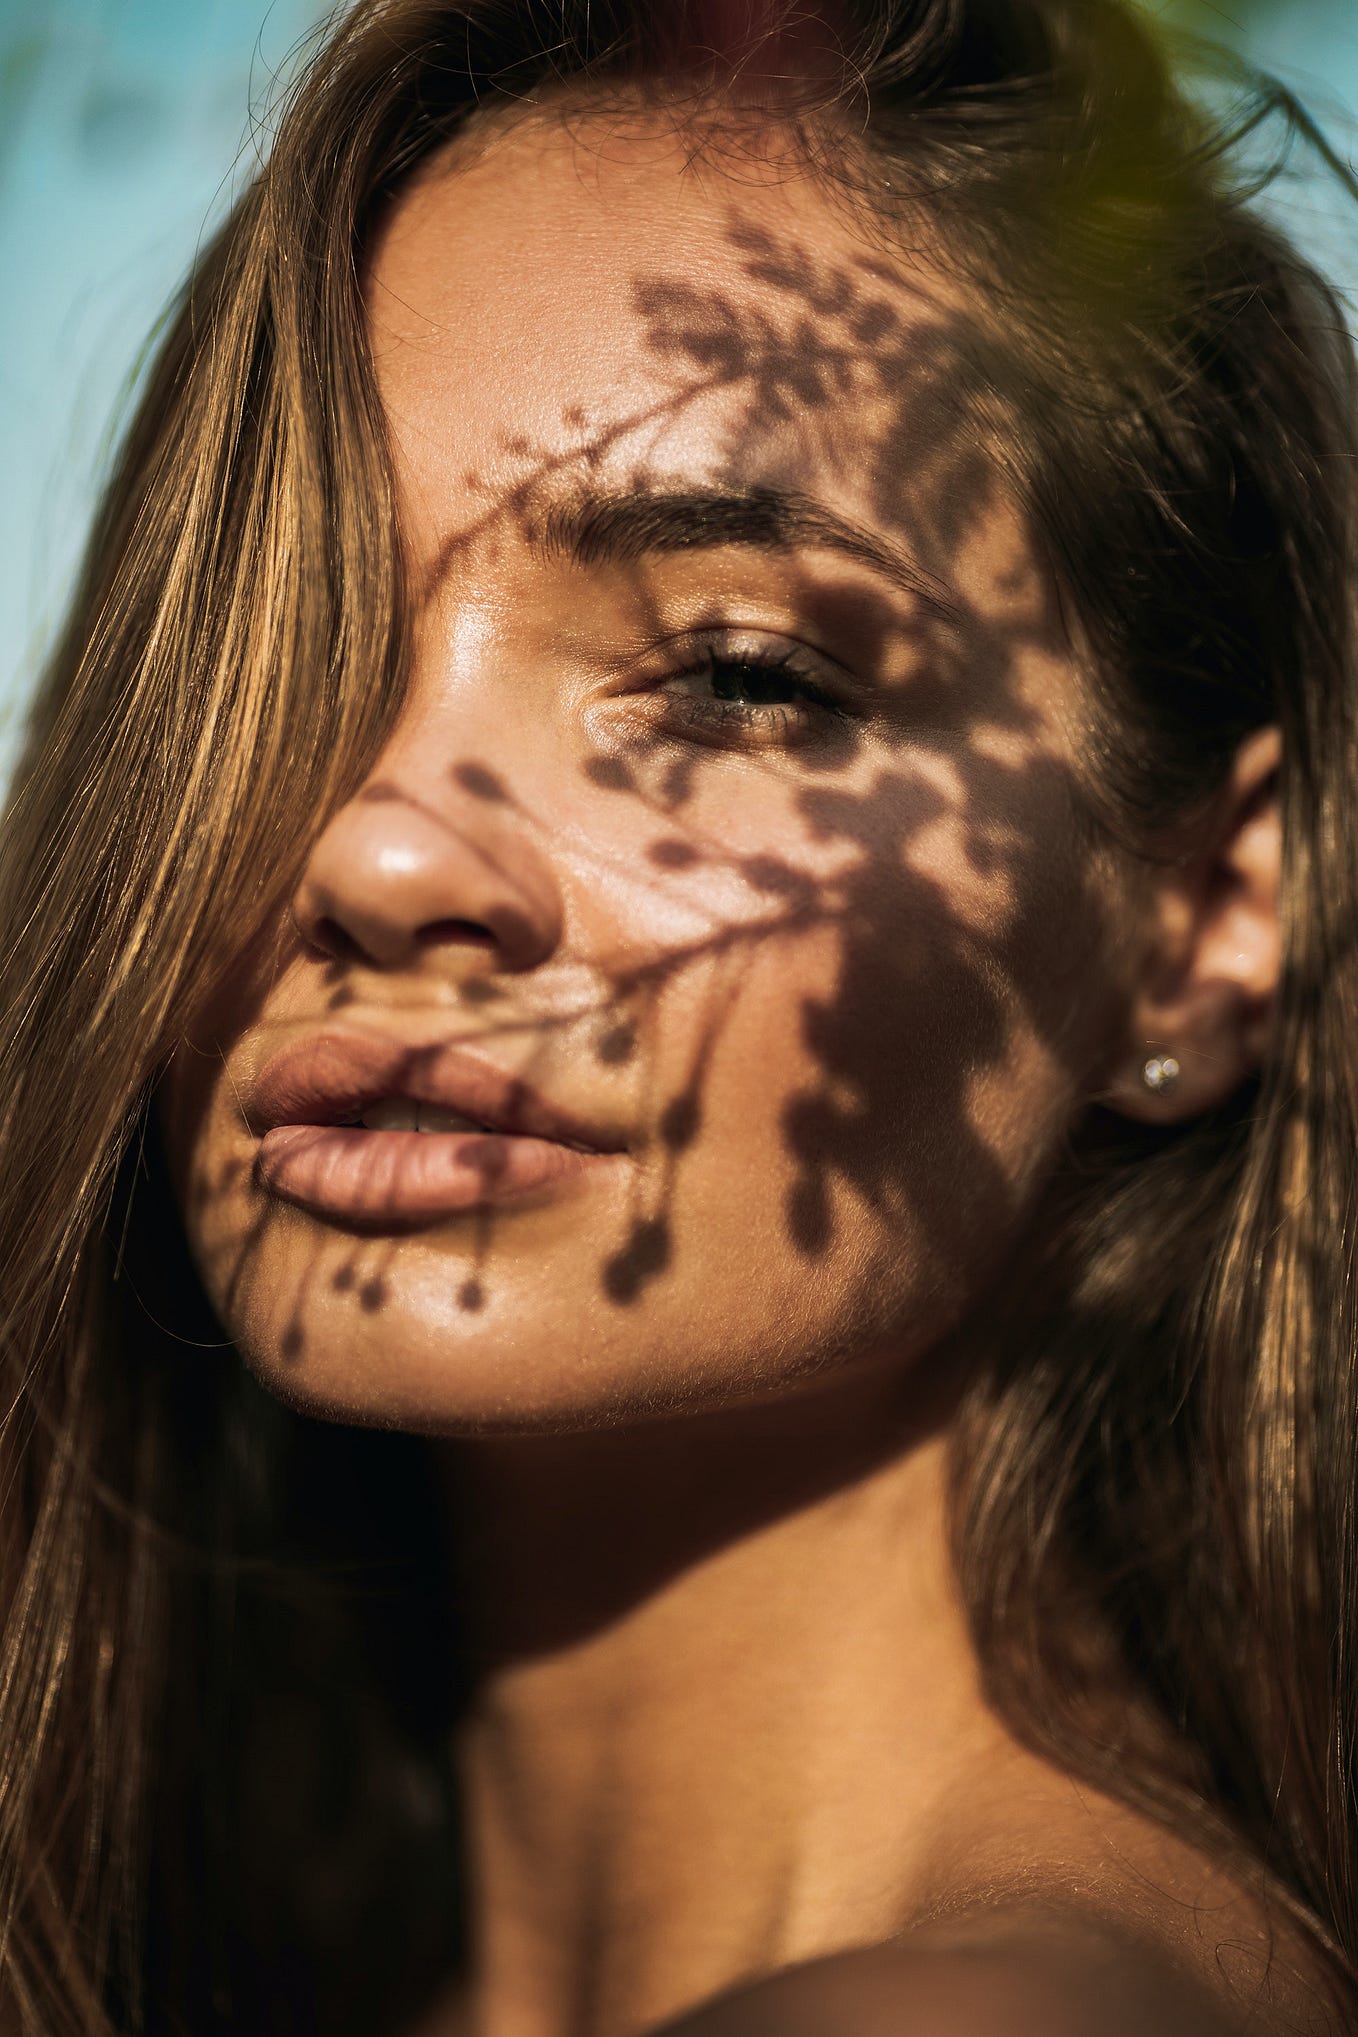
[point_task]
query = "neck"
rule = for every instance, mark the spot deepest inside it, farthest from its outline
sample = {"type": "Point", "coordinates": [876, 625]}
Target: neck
{"type": "Point", "coordinates": [724, 1698]}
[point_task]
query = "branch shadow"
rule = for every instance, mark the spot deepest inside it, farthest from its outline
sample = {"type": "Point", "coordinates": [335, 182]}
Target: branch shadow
{"type": "Point", "coordinates": [959, 747]}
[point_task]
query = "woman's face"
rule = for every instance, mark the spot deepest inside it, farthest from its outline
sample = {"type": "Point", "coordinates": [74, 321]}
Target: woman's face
{"type": "Point", "coordinates": [729, 832]}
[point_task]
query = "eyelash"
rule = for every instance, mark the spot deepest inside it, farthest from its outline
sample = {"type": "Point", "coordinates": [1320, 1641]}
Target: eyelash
{"type": "Point", "coordinates": [812, 710]}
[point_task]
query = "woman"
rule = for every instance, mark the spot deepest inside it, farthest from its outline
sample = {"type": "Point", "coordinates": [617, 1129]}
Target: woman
{"type": "Point", "coordinates": [690, 867]}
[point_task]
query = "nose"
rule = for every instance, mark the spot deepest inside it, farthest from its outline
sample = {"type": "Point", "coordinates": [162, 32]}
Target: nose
{"type": "Point", "coordinates": [395, 874]}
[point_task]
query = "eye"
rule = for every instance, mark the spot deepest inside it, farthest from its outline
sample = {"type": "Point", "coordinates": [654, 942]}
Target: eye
{"type": "Point", "coordinates": [752, 694]}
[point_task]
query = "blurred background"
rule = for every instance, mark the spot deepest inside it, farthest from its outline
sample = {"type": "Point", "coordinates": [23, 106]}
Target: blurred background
{"type": "Point", "coordinates": [127, 125]}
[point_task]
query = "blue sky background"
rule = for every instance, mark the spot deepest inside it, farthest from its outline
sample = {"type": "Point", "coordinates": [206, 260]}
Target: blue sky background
{"type": "Point", "coordinates": [125, 126]}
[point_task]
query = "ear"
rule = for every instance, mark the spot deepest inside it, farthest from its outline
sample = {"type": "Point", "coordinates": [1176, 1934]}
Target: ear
{"type": "Point", "coordinates": [1206, 990]}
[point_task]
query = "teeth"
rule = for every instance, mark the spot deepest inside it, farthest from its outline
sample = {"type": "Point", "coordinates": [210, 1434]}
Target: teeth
{"type": "Point", "coordinates": [434, 1118]}
{"type": "Point", "coordinates": [393, 1114]}
{"type": "Point", "coordinates": [399, 1114]}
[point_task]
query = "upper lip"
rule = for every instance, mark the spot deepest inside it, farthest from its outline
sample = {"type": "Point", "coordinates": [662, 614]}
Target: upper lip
{"type": "Point", "coordinates": [332, 1077]}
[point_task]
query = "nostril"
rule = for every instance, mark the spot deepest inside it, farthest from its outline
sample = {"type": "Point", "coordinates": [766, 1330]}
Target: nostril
{"type": "Point", "coordinates": [456, 930]}
{"type": "Point", "coordinates": [513, 935]}
{"type": "Point", "coordinates": [325, 936]}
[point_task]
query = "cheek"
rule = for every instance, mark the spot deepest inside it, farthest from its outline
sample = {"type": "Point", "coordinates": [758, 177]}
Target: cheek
{"type": "Point", "coordinates": [207, 1168]}
{"type": "Point", "coordinates": [866, 1083]}
{"type": "Point", "coordinates": [196, 1103]}
{"type": "Point", "coordinates": [209, 1161]}
{"type": "Point", "coordinates": [873, 1105]}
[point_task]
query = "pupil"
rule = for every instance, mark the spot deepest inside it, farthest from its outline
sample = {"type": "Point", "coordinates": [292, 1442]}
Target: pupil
{"type": "Point", "coordinates": [753, 683]}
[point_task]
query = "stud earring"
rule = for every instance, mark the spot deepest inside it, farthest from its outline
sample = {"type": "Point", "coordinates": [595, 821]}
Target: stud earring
{"type": "Point", "coordinates": [1160, 1073]}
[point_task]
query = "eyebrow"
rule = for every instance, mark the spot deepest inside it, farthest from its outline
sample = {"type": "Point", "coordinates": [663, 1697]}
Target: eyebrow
{"type": "Point", "coordinates": [623, 526]}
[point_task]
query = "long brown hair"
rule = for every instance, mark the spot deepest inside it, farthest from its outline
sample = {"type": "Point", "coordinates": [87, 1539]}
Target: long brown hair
{"type": "Point", "coordinates": [1164, 1454]}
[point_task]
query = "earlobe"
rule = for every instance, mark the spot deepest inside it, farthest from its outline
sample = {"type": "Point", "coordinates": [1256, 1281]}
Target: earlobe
{"type": "Point", "coordinates": [1208, 985]}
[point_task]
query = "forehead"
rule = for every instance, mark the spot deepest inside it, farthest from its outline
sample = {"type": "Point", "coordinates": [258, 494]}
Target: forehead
{"type": "Point", "coordinates": [602, 302]}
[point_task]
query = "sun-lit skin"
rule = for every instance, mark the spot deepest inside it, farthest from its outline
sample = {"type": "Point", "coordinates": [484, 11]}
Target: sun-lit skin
{"type": "Point", "coordinates": [843, 967]}
{"type": "Point", "coordinates": [875, 930]}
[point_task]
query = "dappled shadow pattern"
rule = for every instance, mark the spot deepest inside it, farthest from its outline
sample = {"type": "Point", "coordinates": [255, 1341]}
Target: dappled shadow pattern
{"type": "Point", "coordinates": [929, 825]}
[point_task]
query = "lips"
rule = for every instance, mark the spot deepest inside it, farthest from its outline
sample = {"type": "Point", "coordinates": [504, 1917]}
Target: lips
{"type": "Point", "coordinates": [306, 1100]}
{"type": "Point", "coordinates": [333, 1078]}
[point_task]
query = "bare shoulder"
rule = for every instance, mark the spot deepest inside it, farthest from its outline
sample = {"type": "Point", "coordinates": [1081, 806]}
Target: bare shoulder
{"type": "Point", "coordinates": [1024, 1982]}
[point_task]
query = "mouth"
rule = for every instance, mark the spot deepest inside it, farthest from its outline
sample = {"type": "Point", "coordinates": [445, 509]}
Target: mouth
{"type": "Point", "coordinates": [376, 1133]}
{"type": "Point", "coordinates": [408, 1114]}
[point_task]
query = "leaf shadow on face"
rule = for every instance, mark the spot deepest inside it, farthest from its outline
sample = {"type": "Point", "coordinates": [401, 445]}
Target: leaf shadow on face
{"type": "Point", "coordinates": [844, 369]}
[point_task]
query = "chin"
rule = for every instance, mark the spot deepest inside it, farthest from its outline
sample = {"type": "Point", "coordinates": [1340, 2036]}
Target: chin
{"type": "Point", "coordinates": [416, 1335]}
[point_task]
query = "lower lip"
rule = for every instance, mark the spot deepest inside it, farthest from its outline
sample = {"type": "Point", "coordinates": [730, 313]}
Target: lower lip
{"type": "Point", "coordinates": [355, 1175]}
